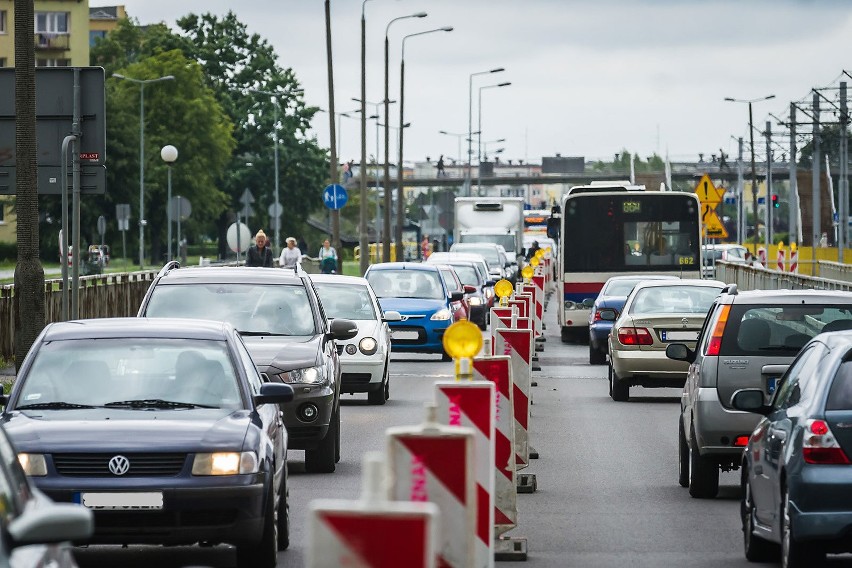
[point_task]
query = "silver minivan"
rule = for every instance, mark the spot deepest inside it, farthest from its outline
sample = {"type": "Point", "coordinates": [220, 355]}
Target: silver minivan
{"type": "Point", "coordinates": [748, 340]}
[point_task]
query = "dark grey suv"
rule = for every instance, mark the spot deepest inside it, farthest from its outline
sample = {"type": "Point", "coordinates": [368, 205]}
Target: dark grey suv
{"type": "Point", "coordinates": [280, 317]}
{"type": "Point", "coordinates": [748, 340]}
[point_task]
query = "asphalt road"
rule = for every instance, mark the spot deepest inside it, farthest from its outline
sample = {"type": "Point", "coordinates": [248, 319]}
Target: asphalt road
{"type": "Point", "coordinates": [607, 477]}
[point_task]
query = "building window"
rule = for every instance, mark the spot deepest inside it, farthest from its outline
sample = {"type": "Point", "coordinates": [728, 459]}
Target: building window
{"type": "Point", "coordinates": [94, 35]}
{"type": "Point", "coordinates": [3, 22]}
{"type": "Point", "coordinates": [55, 62]}
{"type": "Point", "coordinates": [51, 22]}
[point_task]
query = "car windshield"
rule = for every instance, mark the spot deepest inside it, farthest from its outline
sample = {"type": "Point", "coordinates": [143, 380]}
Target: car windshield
{"type": "Point", "coordinates": [467, 274]}
{"type": "Point", "coordinates": [449, 280]}
{"type": "Point", "coordinates": [347, 301]}
{"type": "Point", "coordinates": [406, 284]}
{"type": "Point", "coordinates": [490, 254]}
{"type": "Point", "coordinates": [131, 373]}
{"type": "Point", "coordinates": [779, 330]}
{"type": "Point", "coordinates": [674, 300]}
{"type": "Point", "coordinates": [507, 241]}
{"type": "Point", "coordinates": [279, 309]}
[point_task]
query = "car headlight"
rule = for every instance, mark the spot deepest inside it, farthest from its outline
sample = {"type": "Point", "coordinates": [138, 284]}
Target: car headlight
{"type": "Point", "coordinates": [489, 292]}
{"type": "Point", "coordinates": [368, 346]}
{"type": "Point", "coordinates": [442, 315]}
{"type": "Point", "coordinates": [310, 375]}
{"type": "Point", "coordinates": [225, 463]}
{"type": "Point", "coordinates": [475, 301]}
{"type": "Point", "coordinates": [33, 464]}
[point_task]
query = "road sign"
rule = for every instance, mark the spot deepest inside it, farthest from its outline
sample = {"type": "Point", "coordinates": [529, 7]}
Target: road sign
{"type": "Point", "coordinates": [712, 225]}
{"type": "Point", "coordinates": [334, 196]}
{"type": "Point", "coordinates": [707, 192]}
{"type": "Point", "coordinates": [180, 206]}
{"type": "Point", "coordinates": [101, 225]}
{"type": "Point", "coordinates": [275, 210]}
{"type": "Point", "coordinates": [239, 242]}
{"type": "Point", "coordinates": [247, 198]}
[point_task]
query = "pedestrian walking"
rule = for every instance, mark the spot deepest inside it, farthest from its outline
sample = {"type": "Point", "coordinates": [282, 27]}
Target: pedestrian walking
{"type": "Point", "coordinates": [291, 257]}
{"type": "Point", "coordinates": [259, 254]}
{"type": "Point", "coordinates": [441, 172]}
{"type": "Point", "coordinates": [328, 258]}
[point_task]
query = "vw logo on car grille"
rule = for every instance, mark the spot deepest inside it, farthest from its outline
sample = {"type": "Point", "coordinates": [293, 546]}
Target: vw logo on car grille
{"type": "Point", "coordinates": [119, 465]}
{"type": "Point", "coordinates": [684, 321]}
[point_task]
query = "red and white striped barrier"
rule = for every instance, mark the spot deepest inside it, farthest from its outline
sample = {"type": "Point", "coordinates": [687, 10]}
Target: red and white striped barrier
{"type": "Point", "coordinates": [434, 463]}
{"type": "Point", "coordinates": [357, 533]}
{"type": "Point", "coordinates": [536, 308]}
{"type": "Point", "coordinates": [517, 343]}
{"type": "Point", "coordinates": [794, 258]}
{"type": "Point", "coordinates": [761, 256]}
{"type": "Point", "coordinates": [521, 304]}
{"type": "Point", "coordinates": [540, 283]}
{"type": "Point", "coordinates": [780, 260]}
{"type": "Point", "coordinates": [498, 370]}
{"type": "Point", "coordinates": [472, 404]}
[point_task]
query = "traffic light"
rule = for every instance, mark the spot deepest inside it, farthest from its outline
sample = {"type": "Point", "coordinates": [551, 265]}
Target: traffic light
{"type": "Point", "coordinates": [775, 203]}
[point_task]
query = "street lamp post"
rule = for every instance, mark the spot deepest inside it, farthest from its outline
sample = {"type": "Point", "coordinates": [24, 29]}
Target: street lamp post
{"type": "Point", "coordinates": [142, 222]}
{"type": "Point", "coordinates": [363, 241]}
{"type": "Point", "coordinates": [751, 142]}
{"type": "Point", "coordinates": [479, 128]}
{"type": "Point", "coordinates": [458, 141]}
{"type": "Point", "coordinates": [467, 176]}
{"type": "Point", "coordinates": [388, 198]}
{"type": "Point", "coordinates": [400, 193]}
{"type": "Point", "coordinates": [169, 154]}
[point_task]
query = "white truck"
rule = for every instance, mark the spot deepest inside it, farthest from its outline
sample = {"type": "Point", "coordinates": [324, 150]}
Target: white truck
{"type": "Point", "coordinates": [498, 220]}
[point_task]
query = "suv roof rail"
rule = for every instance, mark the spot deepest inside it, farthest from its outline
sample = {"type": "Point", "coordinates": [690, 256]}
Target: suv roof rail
{"type": "Point", "coordinates": [168, 267]}
{"type": "Point", "coordinates": [730, 289]}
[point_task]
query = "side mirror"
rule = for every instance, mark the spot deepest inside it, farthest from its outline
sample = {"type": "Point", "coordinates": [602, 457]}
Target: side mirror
{"type": "Point", "coordinates": [55, 522]}
{"type": "Point", "coordinates": [553, 228]}
{"type": "Point", "coordinates": [342, 329]}
{"type": "Point", "coordinates": [680, 352]}
{"type": "Point", "coordinates": [607, 314]}
{"type": "Point", "coordinates": [750, 400]}
{"type": "Point", "coordinates": [588, 303]}
{"type": "Point", "coordinates": [468, 289]}
{"type": "Point", "coordinates": [456, 296]}
{"type": "Point", "coordinates": [391, 316]}
{"type": "Point", "coordinates": [273, 393]}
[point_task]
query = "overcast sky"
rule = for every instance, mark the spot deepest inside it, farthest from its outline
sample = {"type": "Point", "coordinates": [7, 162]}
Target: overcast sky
{"type": "Point", "coordinates": [589, 77]}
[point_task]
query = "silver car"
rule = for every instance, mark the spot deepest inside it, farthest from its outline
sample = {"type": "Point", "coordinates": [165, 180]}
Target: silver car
{"type": "Point", "coordinates": [748, 341]}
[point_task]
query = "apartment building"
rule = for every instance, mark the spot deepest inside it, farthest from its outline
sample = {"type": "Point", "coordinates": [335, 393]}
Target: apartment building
{"type": "Point", "coordinates": [102, 20]}
{"type": "Point", "coordinates": [61, 33]}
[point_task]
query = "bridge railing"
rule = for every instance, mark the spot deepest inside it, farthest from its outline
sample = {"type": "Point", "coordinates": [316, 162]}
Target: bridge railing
{"type": "Point", "coordinates": [834, 270]}
{"type": "Point", "coordinates": [758, 278]}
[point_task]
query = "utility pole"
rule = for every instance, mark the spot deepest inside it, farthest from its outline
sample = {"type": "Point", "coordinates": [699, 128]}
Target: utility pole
{"type": "Point", "coordinates": [363, 241]}
{"type": "Point", "coordinates": [816, 202]}
{"type": "Point", "coordinates": [768, 214]}
{"type": "Point", "coordinates": [793, 197]}
{"type": "Point", "coordinates": [753, 170]}
{"type": "Point", "coordinates": [843, 182]}
{"type": "Point", "coordinates": [741, 211]}
{"type": "Point", "coordinates": [335, 214]}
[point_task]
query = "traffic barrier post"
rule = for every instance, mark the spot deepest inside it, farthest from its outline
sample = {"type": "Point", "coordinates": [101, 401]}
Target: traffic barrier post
{"type": "Point", "coordinates": [761, 256]}
{"type": "Point", "coordinates": [794, 258]}
{"type": "Point", "coordinates": [432, 462]}
{"type": "Point", "coordinates": [358, 533]}
{"type": "Point", "coordinates": [781, 257]}
{"type": "Point", "coordinates": [539, 282]}
{"type": "Point", "coordinates": [517, 344]}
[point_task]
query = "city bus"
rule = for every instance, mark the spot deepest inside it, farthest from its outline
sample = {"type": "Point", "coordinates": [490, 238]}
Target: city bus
{"type": "Point", "coordinates": [606, 231]}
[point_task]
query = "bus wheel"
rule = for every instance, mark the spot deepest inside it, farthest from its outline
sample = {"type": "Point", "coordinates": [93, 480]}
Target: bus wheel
{"type": "Point", "coordinates": [566, 335]}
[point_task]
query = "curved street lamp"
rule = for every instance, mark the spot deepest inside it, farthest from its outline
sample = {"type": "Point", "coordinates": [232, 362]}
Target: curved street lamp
{"type": "Point", "coordinates": [479, 128]}
{"type": "Point", "coordinates": [470, 121]}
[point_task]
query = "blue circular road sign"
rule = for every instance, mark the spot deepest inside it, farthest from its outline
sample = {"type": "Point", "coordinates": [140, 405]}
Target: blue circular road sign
{"type": "Point", "coordinates": [335, 196]}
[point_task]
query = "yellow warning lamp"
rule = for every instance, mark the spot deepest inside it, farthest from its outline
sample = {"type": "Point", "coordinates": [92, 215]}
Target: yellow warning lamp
{"type": "Point", "coordinates": [548, 250]}
{"type": "Point", "coordinates": [793, 247]}
{"type": "Point", "coordinates": [503, 290]}
{"type": "Point", "coordinates": [462, 341]}
{"type": "Point", "coordinates": [528, 272]}
{"type": "Point", "coordinates": [539, 253]}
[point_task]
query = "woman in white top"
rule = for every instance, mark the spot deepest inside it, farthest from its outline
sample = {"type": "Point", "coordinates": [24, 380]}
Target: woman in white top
{"type": "Point", "coordinates": [327, 258]}
{"type": "Point", "coordinates": [290, 256]}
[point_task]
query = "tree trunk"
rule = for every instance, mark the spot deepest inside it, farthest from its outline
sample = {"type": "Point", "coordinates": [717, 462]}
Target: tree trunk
{"type": "Point", "coordinates": [29, 274]}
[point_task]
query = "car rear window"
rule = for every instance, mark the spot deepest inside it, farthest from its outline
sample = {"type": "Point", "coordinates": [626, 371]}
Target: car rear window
{"type": "Point", "coordinates": [840, 395]}
{"type": "Point", "coordinates": [674, 300]}
{"type": "Point", "coordinates": [779, 331]}
{"type": "Point", "coordinates": [619, 287]}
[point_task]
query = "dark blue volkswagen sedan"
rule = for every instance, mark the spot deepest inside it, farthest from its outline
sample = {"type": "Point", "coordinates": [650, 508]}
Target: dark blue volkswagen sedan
{"type": "Point", "coordinates": [797, 473]}
{"type": "Point", "coordinates": [162, 427]}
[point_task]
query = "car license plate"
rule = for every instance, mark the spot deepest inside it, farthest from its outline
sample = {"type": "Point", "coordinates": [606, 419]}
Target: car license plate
{"type": "Point", "coordinates": [402, 334]}
{"type": "Point", "coordinates": [679, 335]}
{"type": "Point", "coordinates": [771, 384]}
{"type": "Point", "coordinates": [123, 501]}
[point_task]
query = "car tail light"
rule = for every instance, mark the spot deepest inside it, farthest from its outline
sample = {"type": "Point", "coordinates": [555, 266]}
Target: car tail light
{"type": "Point", "coordinates": [819, 445]}
{"type": "Point", "coordinates": [718, 329]}
{"type": "Point", "coordinates": [635, 336]}
{"type": "Point", "coordinates": [597, 316]}
{"type": "Point", "coordinates": [741, 441]}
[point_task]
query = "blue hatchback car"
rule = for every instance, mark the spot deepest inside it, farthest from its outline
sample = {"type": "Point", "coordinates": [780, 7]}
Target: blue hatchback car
{"type": "Point", "coordinates": [607, 308]}
{"type": "Point", "coordinates": [418, 293]}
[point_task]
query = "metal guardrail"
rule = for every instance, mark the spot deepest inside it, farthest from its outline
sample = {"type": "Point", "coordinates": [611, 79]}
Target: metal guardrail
{"type": "Point", "coordinates": [758, 278]}
{"type": "Point", "coordinates": [834, 270]}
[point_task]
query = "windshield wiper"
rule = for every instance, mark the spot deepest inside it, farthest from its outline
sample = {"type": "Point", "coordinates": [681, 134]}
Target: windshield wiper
{"type": "Point", "coordinates": [52, 406]}
{"type": "Point", "coordinates": [155, 403]}
{"type": "Point", "coordinates": [253, 333]}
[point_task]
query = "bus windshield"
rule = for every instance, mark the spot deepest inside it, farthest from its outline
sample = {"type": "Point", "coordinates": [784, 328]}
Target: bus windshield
{"type": "Point", "coordinates": [630, 232]}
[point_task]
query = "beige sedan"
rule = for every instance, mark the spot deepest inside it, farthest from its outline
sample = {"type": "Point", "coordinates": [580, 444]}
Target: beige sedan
{"type": "Point", "coordinates": [656, 313]}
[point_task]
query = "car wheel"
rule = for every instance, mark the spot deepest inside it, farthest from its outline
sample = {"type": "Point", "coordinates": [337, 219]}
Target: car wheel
{"type": "Point", "coordinates": [263, 554]}
{"type": "Point", "coordinates": [619, 390]}
{"type": "Point", "coordinates": [377, 396]}
{"type": "Point", "coordinates": [445, 356]}
{"type": "Point", "coordinates": [565, 335]}
{"type": "Point", "coordinates": [322, 459]}
{"type": "Point", "coordinates": [703, 473]}
{"type": "Point", "coordinates": [756, 549]}
{"type": "Point", "coordinates": [284, 516]}
{"type": "Point", "coordinates": [596, 356]}
{"type": "Point", "coordinates": [794, 553]}
{"type": "Point", "coordinates": [682, 455]}
{"type": "Point", "coordinates": [609, 378]}
{"type": "Point", "coordinates": [387, 382]}
{"type": "Point", "coordinates": [337, 439]}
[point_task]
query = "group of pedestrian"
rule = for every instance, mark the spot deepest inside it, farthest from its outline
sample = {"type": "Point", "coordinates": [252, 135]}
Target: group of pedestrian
{"type": "Point", "coordinates": [260, 254]}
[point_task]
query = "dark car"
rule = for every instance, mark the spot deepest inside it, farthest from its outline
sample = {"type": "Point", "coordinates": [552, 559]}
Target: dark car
{"type": "Point", "coordinates": [162, 427]}
{"type": "Point", "coordinates": [471, 273]}
{"type": "Point", "coordinates": [280, 317]}
{"type": "Point", "coordinates": [607, 308]}
{"type": "Point", "coordinates": [796, 468]}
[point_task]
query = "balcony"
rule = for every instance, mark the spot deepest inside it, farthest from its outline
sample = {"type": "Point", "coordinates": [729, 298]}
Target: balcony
{"type": "Point", "coordinates": [45, 41]}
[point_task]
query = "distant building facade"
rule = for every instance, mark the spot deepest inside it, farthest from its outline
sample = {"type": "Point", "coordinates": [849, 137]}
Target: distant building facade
{"type": "Point", "coordinates": [61, 33]}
